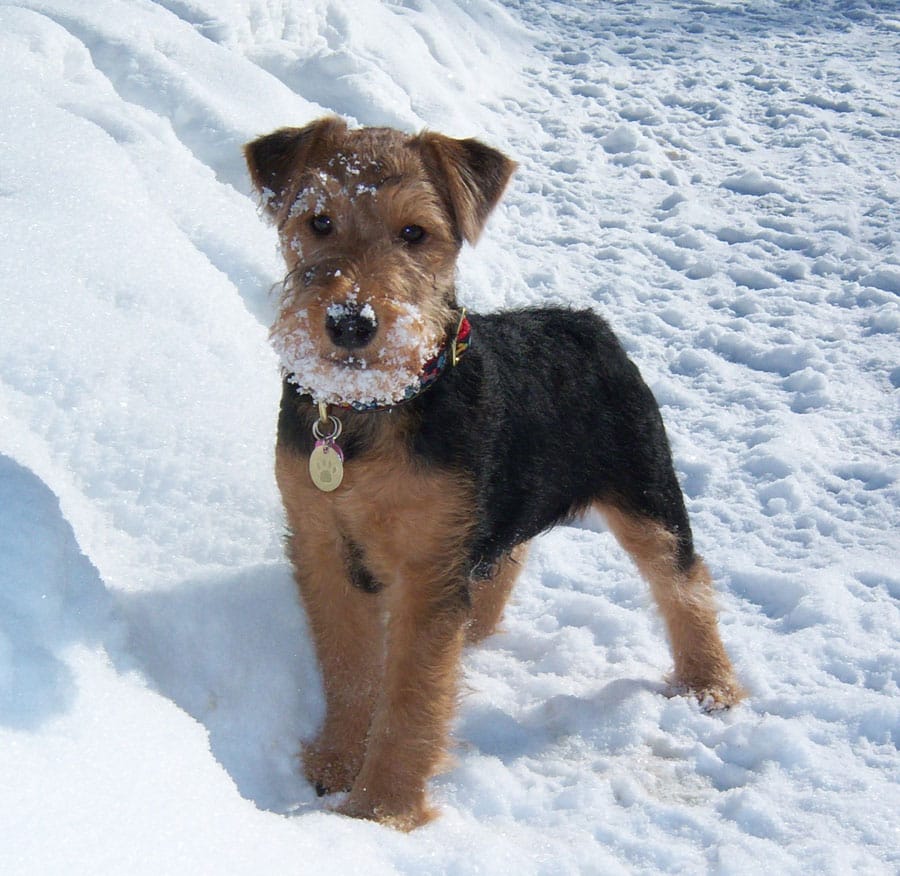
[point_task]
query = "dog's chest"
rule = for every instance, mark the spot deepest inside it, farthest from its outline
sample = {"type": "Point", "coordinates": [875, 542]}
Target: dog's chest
{"type": "Point", "coordinates": [406, 521]}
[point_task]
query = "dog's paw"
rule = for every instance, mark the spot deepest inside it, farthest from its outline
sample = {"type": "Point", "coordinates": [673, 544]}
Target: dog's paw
{"type": "Point", "coordinates": [330, 770]}
{"type": "Point", "coordinates": [391, 812]}
{"type": "Point", "coordinates": [716, 696]}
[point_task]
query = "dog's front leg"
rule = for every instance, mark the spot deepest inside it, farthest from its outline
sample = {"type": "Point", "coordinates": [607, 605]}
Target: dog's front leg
{"type": "Point", "coordinates": [346, 623]}
{"type": "Point", "coordinates": [408, 733]}
{"type": "Point", "coordinates": [347, 629]}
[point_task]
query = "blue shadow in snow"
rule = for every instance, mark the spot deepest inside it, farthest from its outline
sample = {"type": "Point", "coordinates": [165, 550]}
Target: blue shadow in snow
{"type": "Point", "coordinates": [51, 596]}
{"type": "Point", "coordinates": [233, 651]}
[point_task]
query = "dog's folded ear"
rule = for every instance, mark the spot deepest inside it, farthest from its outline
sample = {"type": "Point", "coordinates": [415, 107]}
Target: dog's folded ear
{"type": "Point", "coordinates": [277, 158]}
{"type": "Point", "coordinates": [470, 176]}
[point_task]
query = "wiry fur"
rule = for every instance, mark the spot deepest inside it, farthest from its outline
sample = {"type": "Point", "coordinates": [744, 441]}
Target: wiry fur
{"type": "Point", "coordinates": [418, 548]}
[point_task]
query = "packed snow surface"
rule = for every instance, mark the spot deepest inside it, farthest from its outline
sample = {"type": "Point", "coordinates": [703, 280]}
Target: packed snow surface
{"type": "Point", "coordinates": [719, 178]}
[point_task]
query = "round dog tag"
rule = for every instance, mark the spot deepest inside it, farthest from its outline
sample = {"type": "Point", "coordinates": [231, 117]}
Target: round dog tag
{"type": "Point", "coordinates": [326, 465]}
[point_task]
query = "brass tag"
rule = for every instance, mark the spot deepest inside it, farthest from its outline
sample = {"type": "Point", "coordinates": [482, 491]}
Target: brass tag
{"type": "Point", "coordinates": [326, 465]}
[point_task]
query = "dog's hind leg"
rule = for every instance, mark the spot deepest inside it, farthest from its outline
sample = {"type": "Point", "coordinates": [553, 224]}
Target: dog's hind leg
{"type": "Point", "coordinates": [683, 590]}
{"type": "Point", "coordinates": [488, 596]}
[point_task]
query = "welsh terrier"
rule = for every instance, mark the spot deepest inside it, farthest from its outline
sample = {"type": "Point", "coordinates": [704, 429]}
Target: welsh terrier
{"type": "Point", "coordinates": [420, 448]}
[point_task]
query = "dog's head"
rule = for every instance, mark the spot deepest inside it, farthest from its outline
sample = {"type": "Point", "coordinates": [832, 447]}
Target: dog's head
{"type": "Point", "coordinates": [370, 223]}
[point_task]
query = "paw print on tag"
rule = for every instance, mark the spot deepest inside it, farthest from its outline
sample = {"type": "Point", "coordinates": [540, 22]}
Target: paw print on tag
{"type": "Point", "coordinates": [326, 466]}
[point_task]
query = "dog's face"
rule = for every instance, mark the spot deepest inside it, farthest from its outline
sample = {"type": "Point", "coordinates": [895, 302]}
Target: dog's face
{"type": "Point", "coordinates": [370, 223]}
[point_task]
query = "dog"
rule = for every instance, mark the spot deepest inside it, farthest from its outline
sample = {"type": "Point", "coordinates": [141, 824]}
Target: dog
{"type": "Point", "coordinates": [420, 448]}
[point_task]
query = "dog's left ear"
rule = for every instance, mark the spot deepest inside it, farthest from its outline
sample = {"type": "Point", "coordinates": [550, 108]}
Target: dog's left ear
{"type": "Point", "coordinates": [470, 176]}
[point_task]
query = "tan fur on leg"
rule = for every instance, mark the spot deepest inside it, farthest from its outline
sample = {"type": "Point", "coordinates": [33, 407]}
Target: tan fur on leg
{"type": "Point", "coordinates": [346, 625]}
{"type": "Point", "coordinates": [687, 605]}
{"type": "Point", "coordinates": [426, 610]}
{"type": "Point", "coordinates": [489, 597]}
{"type": "Point", "coordinates": [408, 734]}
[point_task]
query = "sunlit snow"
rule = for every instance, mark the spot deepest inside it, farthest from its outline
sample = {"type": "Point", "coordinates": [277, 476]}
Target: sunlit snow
{"type": "Point", "coordinates": [718, 178]}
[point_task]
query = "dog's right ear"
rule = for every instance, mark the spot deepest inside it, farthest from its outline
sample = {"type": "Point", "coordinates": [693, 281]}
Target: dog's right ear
{"type": "Point", "coordinates": [275, 159]}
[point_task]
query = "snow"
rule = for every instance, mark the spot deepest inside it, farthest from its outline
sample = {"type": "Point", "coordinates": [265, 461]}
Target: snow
{"type": "Point", "coordinates": [719, 178]}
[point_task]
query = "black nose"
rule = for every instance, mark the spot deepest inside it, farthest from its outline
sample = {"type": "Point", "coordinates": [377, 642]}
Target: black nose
{"type": "Point", "coordinates": [348, 327]}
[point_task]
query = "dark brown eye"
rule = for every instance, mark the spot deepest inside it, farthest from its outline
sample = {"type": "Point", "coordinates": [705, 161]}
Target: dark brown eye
{"type": "Point", "coordinates": [412, 234]}
{"type": "Point", "coordinates": [321, 224]}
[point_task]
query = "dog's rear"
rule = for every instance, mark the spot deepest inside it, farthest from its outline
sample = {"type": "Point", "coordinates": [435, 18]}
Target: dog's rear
{"type": "Point", "coordinates": [440, 465]}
